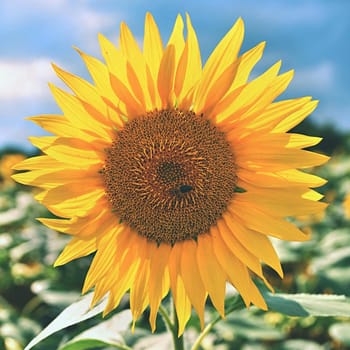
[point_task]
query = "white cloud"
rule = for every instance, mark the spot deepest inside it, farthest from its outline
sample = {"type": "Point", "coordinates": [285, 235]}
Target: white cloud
{"type": "Point", "coordinates": [21, 79]}
{"type": "Point", "coordinates": [88, 23]}
{"type": "Point", "coordinates": [18, 9]}
{"type": "Point", "coordinates": [334, 113]}
{"type": "Point", "coordinates": [77, 15]}
{"type": "Point", "coordinates": [92, 20]}
{"type": "Point", "coordinates": [318, 78]}
{"type": "Point", "coordinates": [289, 13]}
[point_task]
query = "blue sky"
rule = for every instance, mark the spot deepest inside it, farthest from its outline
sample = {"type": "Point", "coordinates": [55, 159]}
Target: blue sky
{"type": "Point", "coordinates": [311, 36]}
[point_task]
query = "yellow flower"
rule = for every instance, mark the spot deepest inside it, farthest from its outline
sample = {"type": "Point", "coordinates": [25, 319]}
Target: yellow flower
{"type": "Point", "coordinates": [6, 164]}
{"type": "Point", "coordinates": [174, 175]}
{"type": "Point", "coordinates": [346, 205]}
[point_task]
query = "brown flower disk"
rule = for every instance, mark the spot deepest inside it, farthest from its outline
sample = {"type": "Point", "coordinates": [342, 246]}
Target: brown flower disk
{"type": "Point", "coordinates": [169, 175]}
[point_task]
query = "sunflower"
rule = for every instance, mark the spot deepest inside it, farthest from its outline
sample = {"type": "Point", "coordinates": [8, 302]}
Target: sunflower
{"type": "Point", "coordinates": [7, 161]}
{"type": "Point", "coordinates": [174, 175]}
{"type": "Point", "coordinates": [346, 205]}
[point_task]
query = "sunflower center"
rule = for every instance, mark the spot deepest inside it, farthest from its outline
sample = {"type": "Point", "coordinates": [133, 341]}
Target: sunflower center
{"type": "Point", "coordinates": [169, 175]}
{"type": "Point", "coordinates": [169, 172]}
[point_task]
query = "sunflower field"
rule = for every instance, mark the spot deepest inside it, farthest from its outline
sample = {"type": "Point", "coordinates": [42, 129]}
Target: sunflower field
{"type": "Point", "coordinates": [33, 293]}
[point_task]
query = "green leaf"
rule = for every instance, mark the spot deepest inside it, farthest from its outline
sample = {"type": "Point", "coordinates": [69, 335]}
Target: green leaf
{"type": "Point", "coordinates": [85, 344]}
{"type": "Point", "coordinates": [308, 304]}
{"type": "Point", "coordinates": [339, 257]}
{"type": "Point", "coordinates": [247, 326]}
{"type": "Point", "coordinates": [335, 278]}
{"type": "Point", "coordinates": [299, 344]}
{"type": "Point", "coordinates": [154, 341]}
{"type": "Point", "coordinates": [58, 298]}
{"type": "Point", "coordinates": [75, 313]}
{"type": "Point", "coordinates": [341, 332]}
{"type": "Point", "coordinates": [11, 216]}
{"type": "Point", "coordinates": [334, 240]}
{"type": "Point", "coordinates": [290, 252]}
{"type": "Point", "coordinates": [106, 333]}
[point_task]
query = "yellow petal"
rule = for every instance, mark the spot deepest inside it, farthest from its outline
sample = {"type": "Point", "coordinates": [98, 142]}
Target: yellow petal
{"type": "Point", "coordinates": [75, 249]}
{"type": "Point", "coordinates": [189, 69]}
{"type": "Point", "coordinates": [297, 117]}
{"type": "Point", "coordinates": [237, 272]}
{"type": "Point", "coordinates": [43, 142]}
{"type": "Point", "coordinates": [70, 150]}
{"type": "Point", "coordinates": [133, 107]}
{"type": "Point", "coordinates": [181, 300]}
{"type": "Point", "coordinates": [93, 224]}
{"type": "Point", "coordinates": [50, 178]}
{"type": "Point", "coordinates": [128, 44]}
{"type": "Point", "coordinates": [83, 89]}
{"type": "Point", "coordinates": [276, 112]}
{"type": "Point", "coordinates": [233, 106]}
{"type": "Point", "coordinates": [218, 90]}
{"type": "Point", "coordinates": [39, 162]}
{"type": "Point", "coordinates": [223, 56]}
{"type": "Point", "coordinates": [283, 160]}
{"type": "Point", "coordinates": [276, 87]}
{"type": "Point", "coordinates": [270, 151]}
{"type": "Point", "coordinates": [76, 113]}
{"type": "Point", "coordinates": [138, 291]}
{"type": "Point", "coordinates": [115, 60]}
{"type": "Point", "coordinates": [297, 176]}
{"type": "Point", "coordinates": [59, 125]}
{"type": "Point", "coordinates": [177, 39]}
{"type": "Point", "coordinates": [121, 285]}
{"type": "Point", "coordinates": [103, 259]}
{"type": "Point", "coordinates": [100, 75]}
{"type": "Point", "coordinates": [312, 195]}
{"type": "Point", "coordinates": [61, 225]}
{"type": "Point", "coordinates": [136, 86]}
{"type": "Point", "coordinates": [301, 141]}
{"type": "Point", "coordinates": [174, 266]}
{"type": "Point", "coordinates": [74, 190]}
{"type": "Point", "coordinates": [266, 224]}
{"type": "Point", "coordinates": [136, 66]}
{"type": "Point", "coordinates": [159, 261]}
{"type": "Point", "coordinates": [246, 62]}
{"type": "Point", "coordinates": [286, 178]}
{"type": "Point", "coordinates": [237, 248]}
{"type": "Point", "coordinates": [121, 274]}
{"type": "Point", "coordinates": [211, 272]}
{"type": "Point", "coordinates": [281, 201]}
{"type": "Point", "coordinates": [257, 243]}
{"type": "Point", "coordinates": [193, 283]}
{"type": "Point", "coordinates": [183, 305]}
{"type": "Point", "coordinates": [166, 77]}
{"type": "Point", "coordinates": [72, 199]}
{"type": "Point", "coordinates": [152, 45]}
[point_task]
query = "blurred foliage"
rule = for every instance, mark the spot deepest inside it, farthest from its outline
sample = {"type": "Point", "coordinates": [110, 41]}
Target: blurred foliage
{"type": "Point", "coordinates": [33, 293]}
{"type": "Point", "coordinates": [334, 140]}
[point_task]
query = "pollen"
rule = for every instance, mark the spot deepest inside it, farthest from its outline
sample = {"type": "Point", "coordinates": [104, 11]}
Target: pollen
{"type": "Point", "coordinates": [169, 175]}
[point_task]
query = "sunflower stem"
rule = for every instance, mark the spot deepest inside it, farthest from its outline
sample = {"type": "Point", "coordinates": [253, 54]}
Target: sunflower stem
{"type": "Point", "coordinates": [166, 318]}
{"type": "Point", "coordinates": [236, 304]}
{"type": "Point", "coordinates": [178, 340]}
{"type": "Point", "coordinates": [173, 327]}
{"type": "Point", "coordinates": [204, 333]}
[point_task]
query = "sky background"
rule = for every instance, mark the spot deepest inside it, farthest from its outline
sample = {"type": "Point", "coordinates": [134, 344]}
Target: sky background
{"type": "Point", "coordinates": [311, 36]}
